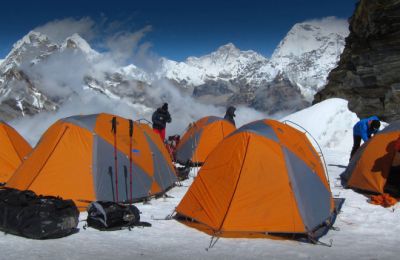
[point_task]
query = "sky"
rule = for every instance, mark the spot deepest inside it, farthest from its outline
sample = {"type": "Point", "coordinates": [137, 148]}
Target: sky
{"type": "Point", "coordinates": [174, 29]}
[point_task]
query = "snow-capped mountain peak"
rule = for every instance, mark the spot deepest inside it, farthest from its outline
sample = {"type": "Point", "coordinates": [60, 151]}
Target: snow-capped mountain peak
{"type": "Point", "coordinates": [309, 51]}
{"type": "Point", "coordinates": [75, 41]}
{"type": "Point", "coordinates": [31, 47]}
{"type": "Point", "coordinates": [309, 36]}
{"type": "Point", "coordinates": [226, 63]}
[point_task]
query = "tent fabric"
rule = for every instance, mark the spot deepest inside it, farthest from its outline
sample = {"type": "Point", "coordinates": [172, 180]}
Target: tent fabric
{"type": "Point", "coordinates": [201, 138]}
{"type": "Point", "coordinates": [370, 166]}
{"type": "Point", "coordinates": [75, 160]}
{"type": "Point", "coordinates": [13, 150]}
{"type": "Point", "coordinates": [265, 177]}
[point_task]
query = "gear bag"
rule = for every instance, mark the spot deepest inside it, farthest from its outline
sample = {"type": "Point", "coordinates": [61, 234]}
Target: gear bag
{"type": "Point", "coordinates": [108, 215]}
{"type": "Point", "coordinates": [26, 214]}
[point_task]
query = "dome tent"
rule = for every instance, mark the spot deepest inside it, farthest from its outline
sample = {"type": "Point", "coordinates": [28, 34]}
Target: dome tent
{"type": "Point", "coordinates": [13, 150]}
{"type": "Point", "coordinates": [370, 166]}
{"type": "Point", "coordinates": [201, 138]}
{"type": "Point", "coordinates": [75, 159]}
{"type": "Point", "coordinates": [266, 177]}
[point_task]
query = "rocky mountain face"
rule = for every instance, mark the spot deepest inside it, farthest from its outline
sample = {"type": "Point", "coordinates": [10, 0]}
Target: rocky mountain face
{"type": "Point", "coordinates": [40, 75]}
{"type": "Point", "coordinates": [18, 93]}
{"type": "Point", "coordinates": [368, 71]}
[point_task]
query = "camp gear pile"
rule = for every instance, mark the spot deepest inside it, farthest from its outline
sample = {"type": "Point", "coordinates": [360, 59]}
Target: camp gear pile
{"type": "Point", "coordinates": [25, 214]}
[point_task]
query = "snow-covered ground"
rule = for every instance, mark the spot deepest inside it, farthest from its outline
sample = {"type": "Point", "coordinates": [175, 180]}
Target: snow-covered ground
{"type": "Point", "coordinates": [364, 231]}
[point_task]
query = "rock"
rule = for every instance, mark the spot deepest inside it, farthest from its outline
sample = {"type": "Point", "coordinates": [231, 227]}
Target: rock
{"type": "Point", "coordinates": [368, 73]}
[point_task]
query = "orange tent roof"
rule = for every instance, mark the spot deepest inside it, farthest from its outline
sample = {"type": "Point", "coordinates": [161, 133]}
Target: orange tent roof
{"type": "Point", "coordinates": [75, 159]}
{"type": "Point", "coordinates": [13, 150]}
{"type": "Point", "coordinates": [369, 168]}
{"type": "Point", "coordinates": [266, 177]}
{"type": "Point", "coordinates": [201, 138]}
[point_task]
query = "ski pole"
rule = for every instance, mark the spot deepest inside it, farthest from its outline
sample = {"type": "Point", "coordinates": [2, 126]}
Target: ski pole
{"type": "Point", "coordinates": [130, 156]}
{"type": "Point", "coordinates": [114, 130]}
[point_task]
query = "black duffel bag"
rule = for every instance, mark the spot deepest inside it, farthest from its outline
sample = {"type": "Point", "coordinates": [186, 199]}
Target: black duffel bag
{"type": "Point", "coordinates": [25, 214]}
{"type": "Point", "coordinates": [108, 215]}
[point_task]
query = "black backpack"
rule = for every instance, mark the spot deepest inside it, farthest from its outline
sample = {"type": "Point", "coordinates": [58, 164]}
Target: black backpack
{"type": "Point", "coordinates": [108, 215]}
{"type": "Point", "coordinates": [25, 214]}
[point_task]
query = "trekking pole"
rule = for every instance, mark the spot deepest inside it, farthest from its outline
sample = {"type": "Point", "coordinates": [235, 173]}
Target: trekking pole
{"type": "Point", "coordinates": [130, 157]}
{"type": "Point", "coordinates": [114, 130]}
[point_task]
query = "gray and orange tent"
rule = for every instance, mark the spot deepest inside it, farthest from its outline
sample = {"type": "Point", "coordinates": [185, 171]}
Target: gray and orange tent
{"type": "Point", "coordinates": [84, 159]}
{"type": "Point", "coordinates": [201, 138]}
{"type": "Point", "coordinates": [369, 168]}
{"type": "Point", "coordinates": [13, 149]}
{"type": "Point", "coordinates": [265, 178]}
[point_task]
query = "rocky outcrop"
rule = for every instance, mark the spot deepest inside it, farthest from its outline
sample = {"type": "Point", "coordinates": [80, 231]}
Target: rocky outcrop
{"type": "Point", "coordinates": [281, 95]}
{"type": "Point", "coordinates": [368, 73]}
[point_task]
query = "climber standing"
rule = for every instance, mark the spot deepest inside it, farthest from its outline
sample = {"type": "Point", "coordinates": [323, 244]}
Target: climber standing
{"type": "Point", "coordinates": [160, 119]}
{"type": "Point", "coordinates": [230, 114]}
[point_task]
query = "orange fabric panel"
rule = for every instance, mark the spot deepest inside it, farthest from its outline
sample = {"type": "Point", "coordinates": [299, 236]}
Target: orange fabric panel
{"type": "Point", "coordinates": [239, 188]}
{"type": "Point", "coordinates": [373, 167]}
{"type": "Point", "coordinates": [68, 171]}
{"type": "Point", "coordinates": [9, 159]}
{"type": "Point", "coordinates": [263, 199]}
{"type": "Point", "coordinates": [60, 166]}
{"type": "Point", "coordinates": [211, 136]}
{"type": "Point", "coordinates": [31, 167]}
{"type": "Point", "coordinates": [210, 194]}
{"type": "Point", "coordinates": [21, 146]}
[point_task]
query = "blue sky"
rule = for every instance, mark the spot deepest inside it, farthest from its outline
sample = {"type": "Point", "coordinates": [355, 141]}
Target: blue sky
{"type": "Point", "coordinates": [178, 28]}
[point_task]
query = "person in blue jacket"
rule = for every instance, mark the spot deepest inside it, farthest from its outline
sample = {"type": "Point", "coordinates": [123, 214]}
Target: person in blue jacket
{"type": "Point", "coordinates": [364, 129]}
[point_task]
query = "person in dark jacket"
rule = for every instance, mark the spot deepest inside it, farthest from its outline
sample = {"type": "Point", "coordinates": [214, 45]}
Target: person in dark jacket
{"type": "Point", "coordinates": [230, 114]}
{"type": "Point", "coordinates": [364, 129]}
{"type": "Point", "coordinates": [160, 119]}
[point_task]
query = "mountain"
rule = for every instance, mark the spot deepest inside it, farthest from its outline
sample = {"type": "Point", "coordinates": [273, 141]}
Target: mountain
{"type": "Point", "coordinates": [18, 94]}
{"type": "Point", "coordinates": [309, 52]}
{"type": "Point", "coordinates": [368, 71]}
{"type": "Point", "coordinates": [41, 75]}
{"type": "Point", "coordinates": [231, 76]}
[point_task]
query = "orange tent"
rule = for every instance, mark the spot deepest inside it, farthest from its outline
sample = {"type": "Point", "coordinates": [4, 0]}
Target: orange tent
{"type": "Point", "coordinates": [369, 168]}
{"type": "Point", "coordinates": [201, 138]}
{"type": "Point", "coordinates": [75, 159]}
{"type": "Point", "coordinates": [13, 150]}
{"type": "Point", "coordinates": [266, 177]}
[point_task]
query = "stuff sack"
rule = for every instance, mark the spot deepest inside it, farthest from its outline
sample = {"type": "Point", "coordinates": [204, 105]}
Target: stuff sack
{"type": "Point", "coordinates": [26, 214]}
{"type": "Point", "coordinates": [108, 215]}
{"type": "Point", "coordinates": [182, 172]}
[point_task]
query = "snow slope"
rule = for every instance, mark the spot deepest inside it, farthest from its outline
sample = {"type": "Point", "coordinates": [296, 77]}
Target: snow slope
{"type": "Point", "coordinates": [363, 231]}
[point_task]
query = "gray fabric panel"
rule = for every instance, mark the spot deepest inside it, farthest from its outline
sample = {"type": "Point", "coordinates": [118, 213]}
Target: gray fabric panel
{"type": "Point", "coordinates": [260, 128]}
{"type": "Point", "coordinates": [103, 162]}
{"type": "Point", "coordinates": [212, 119]}
{"type": "Point", "coordinates": [86, 121]}
{"type": "Point", "coordinates": [313, 199]}
{"type": "Point", "coordinates": [393, 127]}
{"type": "Point", "coordinates": [185, 152]}
{"type": "Point", "coordinates": [162, 173]}
{"type": "Point", "coordinates": [346, 175]}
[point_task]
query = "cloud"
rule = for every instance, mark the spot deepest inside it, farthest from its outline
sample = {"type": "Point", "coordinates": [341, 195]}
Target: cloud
{"type": "Point", "coordinates": [61, 76]}
{"type": "Point", "coordinates": [125, 46]}
{"type": "Point", "coordinates": [58, 30]}
{"type": "Point", "coordinates": [331, 24]}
